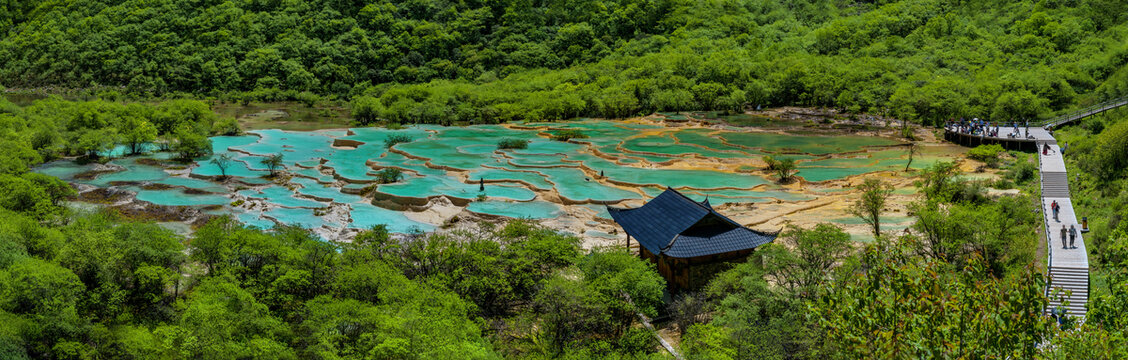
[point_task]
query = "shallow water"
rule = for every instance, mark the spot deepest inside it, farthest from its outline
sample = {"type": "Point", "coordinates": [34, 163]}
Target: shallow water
{"type": "Point", "coordinates": [531, 209]}
{"type": "Point", "coordinates": [616, 162]}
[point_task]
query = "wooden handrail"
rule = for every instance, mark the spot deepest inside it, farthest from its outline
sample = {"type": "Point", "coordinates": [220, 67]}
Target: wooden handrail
{"type": "Point", "coordinates": [1089, 111]}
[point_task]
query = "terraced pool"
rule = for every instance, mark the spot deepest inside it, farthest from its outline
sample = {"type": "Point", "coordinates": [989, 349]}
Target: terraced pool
{"type": "Point", "coordinates": [617, 162]}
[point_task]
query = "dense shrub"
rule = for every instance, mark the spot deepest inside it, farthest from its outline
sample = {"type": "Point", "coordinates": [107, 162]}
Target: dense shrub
{"type": "Point", "coordinates": [512, 144]}
{"type": "Point", "coordinates": [986, 153]}
{"type": "Point", "coordinates": [1110, 153]}
{"type": "Point", "coordinates": [389, 175]}
{"type": "Point", "coordinates": [1022, 171]}
{"type": "Point", "coordinates": [394, 139]}
{"type": "Point", "coordinates": [566, 135]}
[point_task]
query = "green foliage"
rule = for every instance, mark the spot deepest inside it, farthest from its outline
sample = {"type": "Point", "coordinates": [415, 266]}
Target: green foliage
{"type": "Point", "coordinates": [986, 153]}
{"type": "Point", "coordinates": [224, 320]}
{"type": "Point", "coordinates": [785, 169]}
{"type": "Point", "coordinates": [770, 163]}
{"type": "Point", "coordinates": [91, 143]}
{"type": "Point", "coordinates": [708, 342]}
{"type": "Point", "coordinates": [801, 260]}
{"type": "Point", "coordinates": [34, 286]}
{"type": "Point", "coordinates": [272, 162]}
{"type": "Point", "coordinates": [931, 309]}
{"type": "Point", "coordinates": [225, 127]}
{"type": "Point", "coordinates": [494, 269]}
{"type": "Point", "coordinates": [1022, 171]}
{"type": "Point", "coordinates": [566, 135]}
{"type": "Point", "coordinates": [1109, 156]}
{"type": "Point", "coordinates": [512, 144]}
{"type": "Point", "coordinates": [32, 193]}
{"type": "Point", "coordinates": [394, 139]}
{"type": "Point", "coordinates": [940, 182]}
{"type": "Point", "coordinates": [616, 274]}
{"type": "Point", "coordinates": [752, 319]}
{"type": "Point", "coordinates": [136, 133]}
{"type": "Point", "coordinates": [344, 328]}
{"type": "Point", "coordinates": [389, 175]}
{"type": "Point", "coordinates": [571, 312]}
{"type": "Point", "coordinates": [579, 314]}
{"type": "Point", "coordinates": [926, 61]}
{"type": "Point", "coordinates": [366, 109]}
{"type": "Point", "coordinates": [999, 234]}
{"type": "Point", "coordinates": [53, 127]}
{"type": "Point", "coordinates": [17, 157]}
{"type": "Point", "coordinates": [222, 161]}
{"type": "Point", "coordinates": [872, 202]}
{"type": "Point", "coordinates": [189, 143]}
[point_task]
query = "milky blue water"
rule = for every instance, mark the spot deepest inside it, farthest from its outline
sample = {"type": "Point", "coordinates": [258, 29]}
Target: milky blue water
{"type": "Point", "coordinates": [177, 197]}
{"type": "Point", "coordinates": [530, 210]}
{"type": "Point", "coordinates": [449, 161]}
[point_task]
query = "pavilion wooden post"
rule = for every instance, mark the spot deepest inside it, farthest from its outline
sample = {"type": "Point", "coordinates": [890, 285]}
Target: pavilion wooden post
{"type": "Point", "coordinates": [628, 242]}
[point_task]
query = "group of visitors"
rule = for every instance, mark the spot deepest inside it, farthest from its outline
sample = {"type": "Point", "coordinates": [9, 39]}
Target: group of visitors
{"type": "Point", "coordinates": [1071, 232]}
{"type": "Point", "coordinates": [979, 127]}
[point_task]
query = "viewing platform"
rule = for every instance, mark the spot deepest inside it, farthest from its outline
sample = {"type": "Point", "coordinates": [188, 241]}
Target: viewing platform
{"type": "Point", "coordinates": [1027, 141]}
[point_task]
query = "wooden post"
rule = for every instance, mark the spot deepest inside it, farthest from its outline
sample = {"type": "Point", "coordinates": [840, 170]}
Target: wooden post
{"type": "Point", "coordinates": [628, 242]}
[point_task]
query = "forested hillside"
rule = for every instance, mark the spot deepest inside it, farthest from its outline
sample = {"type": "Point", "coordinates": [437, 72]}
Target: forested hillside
{"type": "Point", "coordinates": [440, 61]}
{"type": "Point", "coordinates": [963, 281]}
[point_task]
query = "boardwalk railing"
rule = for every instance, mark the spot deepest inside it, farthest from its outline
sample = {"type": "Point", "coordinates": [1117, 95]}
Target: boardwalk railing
{"type": "Point", "coordinates": [1086, 112]}
{"type": "Point", "coordinates": [1045, 227]}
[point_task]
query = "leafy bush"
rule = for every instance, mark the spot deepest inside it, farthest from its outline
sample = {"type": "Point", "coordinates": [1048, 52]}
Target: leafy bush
{"type": "Point", "coordinates": [394, 139]}
{"type": "Point", "coordinates": [566, 135]}
{"type": "Point", "coordinates": [1110, 155]}
{"type": "Point", "coordinates": [189, 143]}
{"type": "Point", "coordinates": [389, 175]}
{"type": "Point", "coordinates": [786, 169]}
{"type": "Point", "coordinates": [512, 144]}
{"type": "Point", "coordinates": [227, 126]}
{"type": "Point", "coordinates": [1095, 125]}
{"type": "Point", "coordinates": [366, 109]}
{"type": "Point", "coordinates": [771, 162]}
{"type": "Point", "coordinates": [1003, 184]}
{"type": "Point", "coordinates": [272, 162]}
{"type": "Point", "coordinates": [986, 153]}
{"type": "Point", "coordinates": [1022, 171]}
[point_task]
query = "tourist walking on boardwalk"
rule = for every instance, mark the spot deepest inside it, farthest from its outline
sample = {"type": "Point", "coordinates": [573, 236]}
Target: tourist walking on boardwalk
{"type": "Point", "coordinates": [1063, 232]}
{"type": "Point", "coordinates": [1054, 207]}
{"type": "Point", "coordinates": [1072, 236]}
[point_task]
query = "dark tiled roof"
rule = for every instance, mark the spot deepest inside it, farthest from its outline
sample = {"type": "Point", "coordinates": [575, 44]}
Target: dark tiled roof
{"type": "Point", "coordinates": [677, 226]}
{"type": "Point", "coordinates": [735, 239]}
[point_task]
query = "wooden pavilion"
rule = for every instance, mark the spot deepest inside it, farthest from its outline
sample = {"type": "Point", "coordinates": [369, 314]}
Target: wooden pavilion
{"type": "Point", "coordinates": [688, 240]}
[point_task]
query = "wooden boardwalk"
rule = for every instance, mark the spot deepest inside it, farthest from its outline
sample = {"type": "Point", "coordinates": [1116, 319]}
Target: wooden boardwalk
{"type": "Point", "coordinates": [1086, 112]}
{"type": "Point", "coordinates": [1067, 268]}
{"type": "Point", "coordinates": [1068, 284]}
